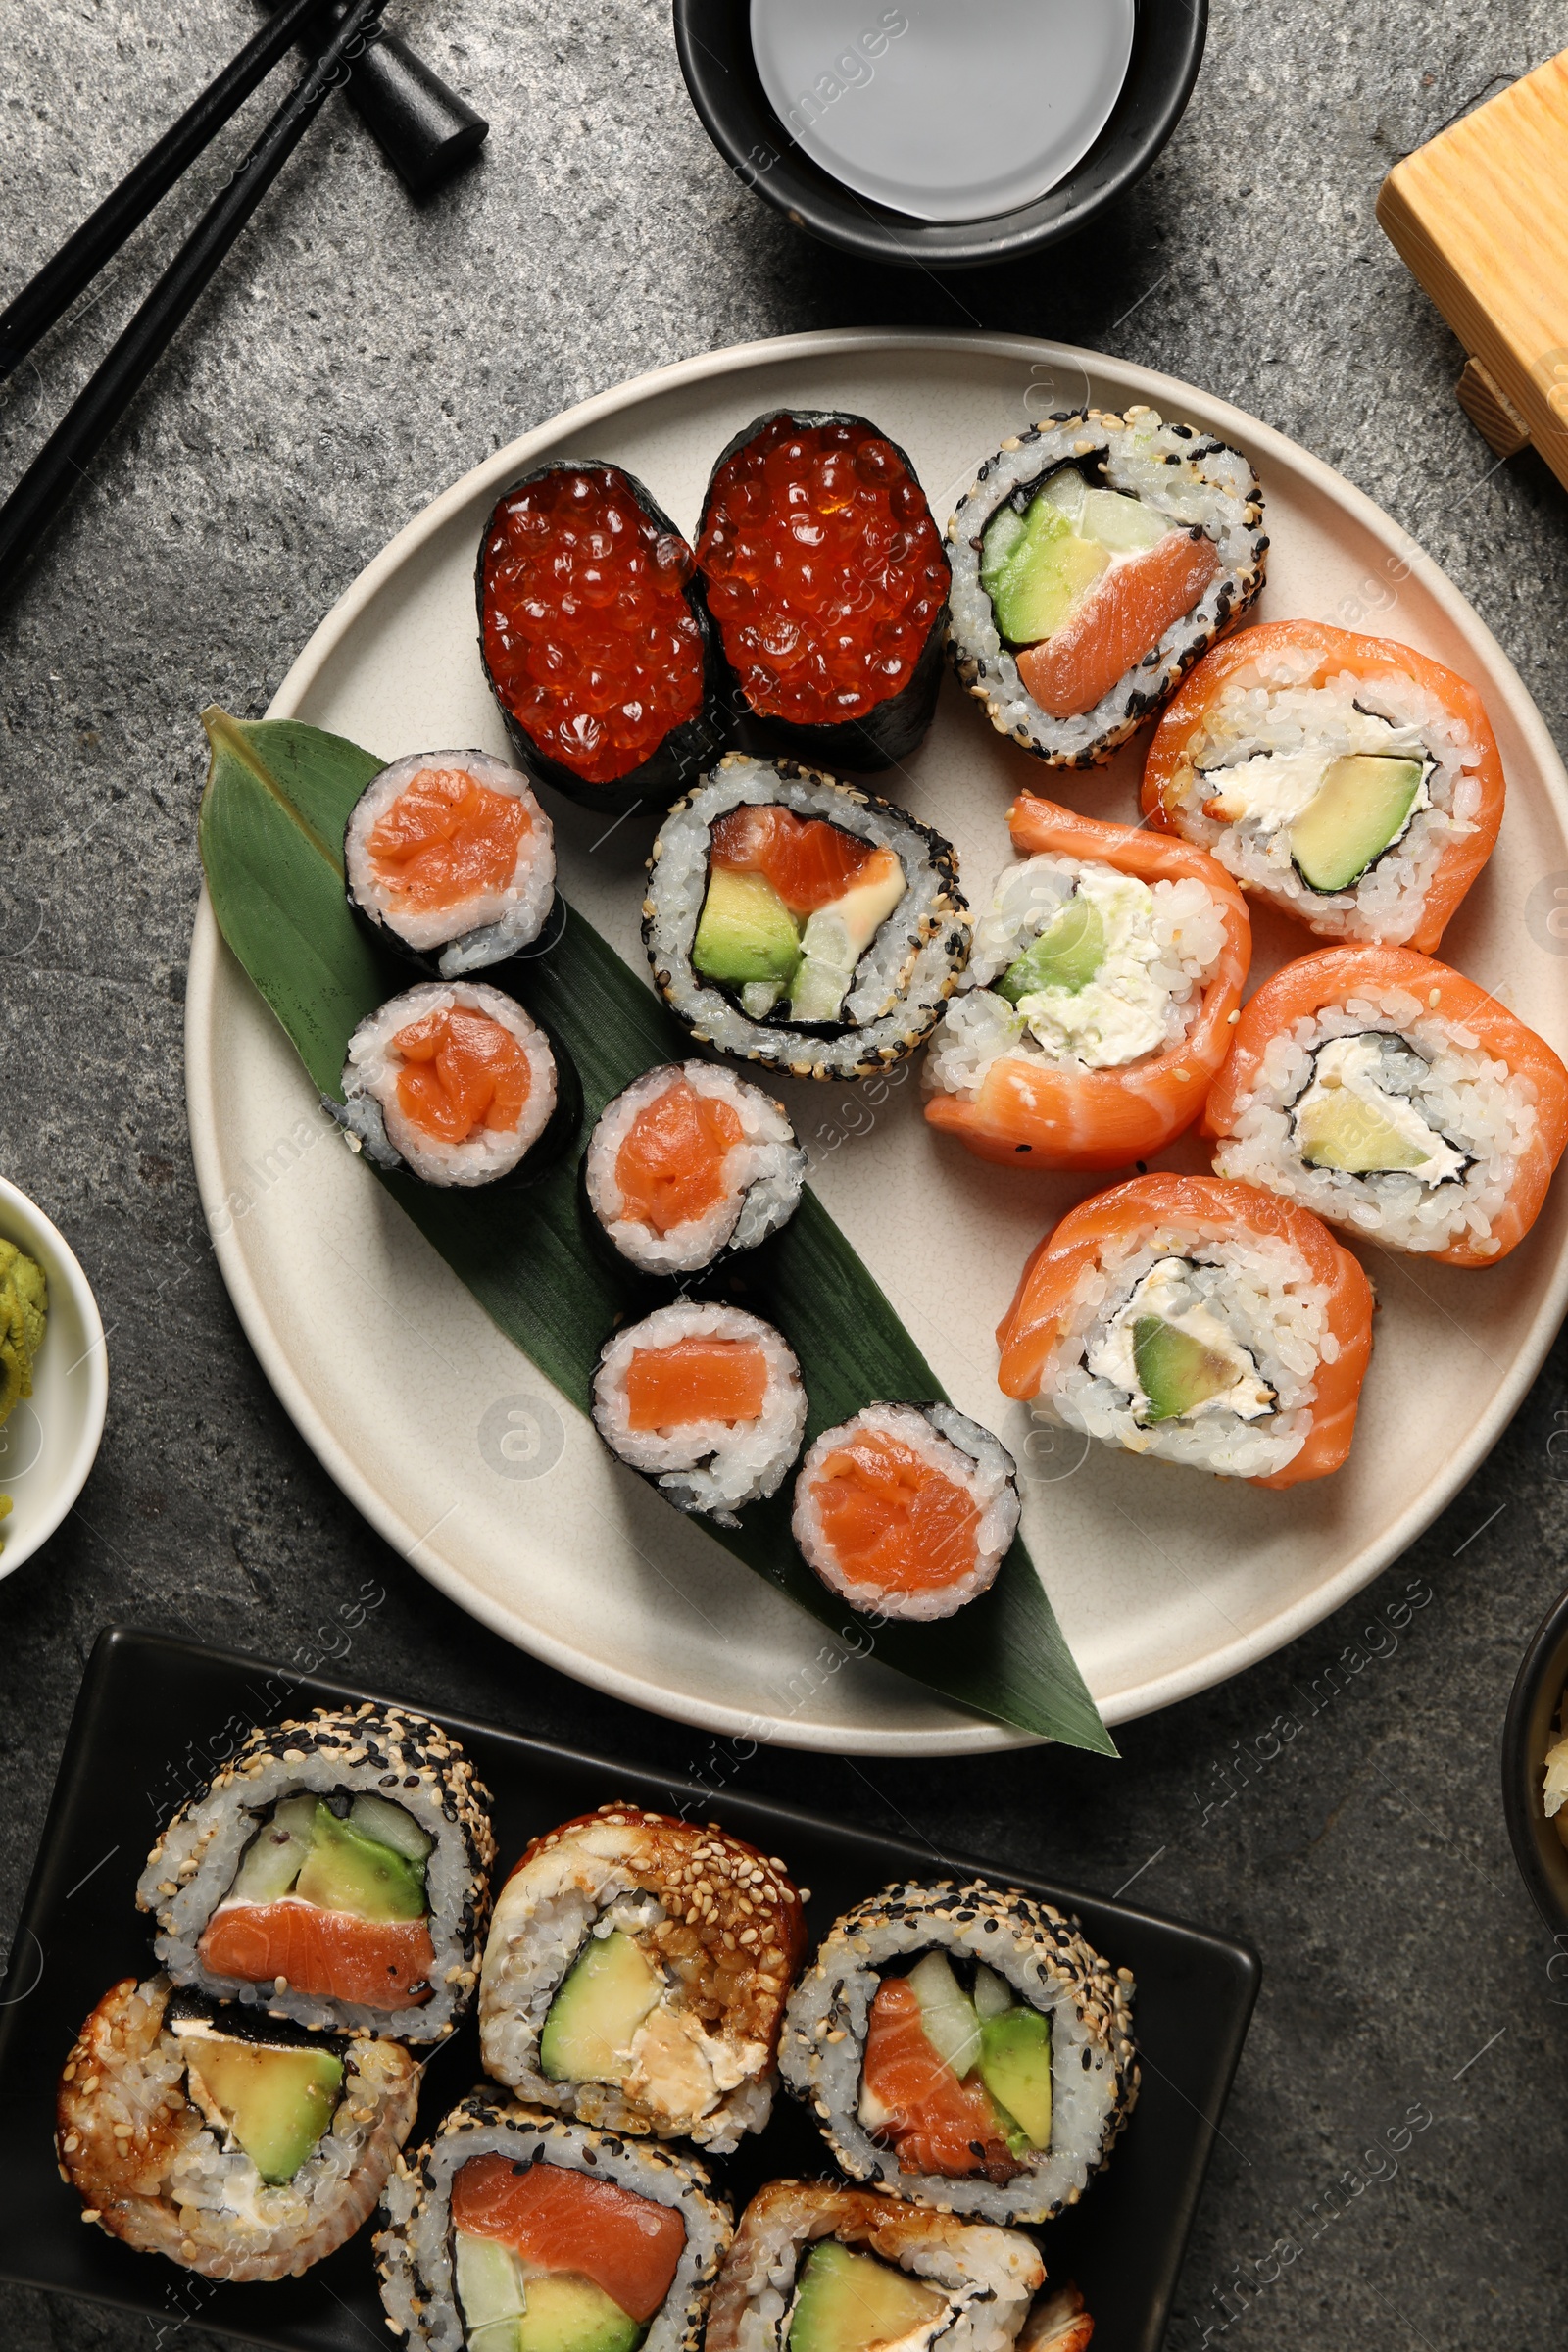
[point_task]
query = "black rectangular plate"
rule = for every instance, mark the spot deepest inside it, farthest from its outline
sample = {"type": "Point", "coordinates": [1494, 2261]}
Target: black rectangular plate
{"type": "Point", "coordinates": [155, 1719]}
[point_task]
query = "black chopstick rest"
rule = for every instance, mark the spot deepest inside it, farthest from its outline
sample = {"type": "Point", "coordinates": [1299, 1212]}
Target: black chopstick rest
{"type": "Point", "coordinates": [422, 127]}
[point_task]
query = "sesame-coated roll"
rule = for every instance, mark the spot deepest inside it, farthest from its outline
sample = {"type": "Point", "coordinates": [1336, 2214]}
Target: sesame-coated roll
{"type": "Point", "coordinates": [336, 1871]}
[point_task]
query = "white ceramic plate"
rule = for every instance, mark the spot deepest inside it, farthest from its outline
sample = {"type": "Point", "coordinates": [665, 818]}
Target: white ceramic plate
{"type": "Point", "coordinates": [456, 1449]}
{"type": "Point", "coordinates": [49, 1441]}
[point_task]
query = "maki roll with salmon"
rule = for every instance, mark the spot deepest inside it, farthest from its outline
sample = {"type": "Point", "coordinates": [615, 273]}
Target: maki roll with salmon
{"type": "Point", "coordinates": [704, 1400]}
{"type": "Point", "coordinates": [800, 922]}
{"type": "Point", "coordinates": [449, 861]}
{"type": "Point", "coordinates": [826, 576]}
{"type": "Point", "coordinates": [1390, 1094]}
{"type": "Point", "coordinates": [963, 2045]}
{"type": "Point", "coordinates": [1095, 559]}
{"type": "Point", "coordinates": [636, 1976]}
{"type": "Point", "coordinates": [239, 2146]}
{"type": "Point", "coordinates": [1099, 1001]}
{"type": "Point", "coordinates": [824, 2268]}
{"type": "Point", "coordinates": [1197, 1320]}
{"type": "Point", "coordinates": [596, 638]}
{"type": "Point", "coordinates": [514, 2232]}
{"type": "Point", "coordinates": [455, 1084]}
{"type": "Point", "coordinates": [335, 1872]}
{"type": "Point", "coordinates": [1350, 781]}
{"type": "Point", "coordinates": [689, 1164]}
{"type": "Point", "coordinates": [907, 1510]}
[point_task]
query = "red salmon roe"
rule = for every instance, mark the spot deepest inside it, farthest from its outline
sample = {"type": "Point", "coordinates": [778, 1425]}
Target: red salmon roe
{"type": "Point", "coordinates": [824, 570]}
{"type": "Point", "coordinates": [588, 637]}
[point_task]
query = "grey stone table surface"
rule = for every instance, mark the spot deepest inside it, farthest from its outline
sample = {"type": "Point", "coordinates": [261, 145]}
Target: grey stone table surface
{"type": "Point", "coordinates": [354, 356]}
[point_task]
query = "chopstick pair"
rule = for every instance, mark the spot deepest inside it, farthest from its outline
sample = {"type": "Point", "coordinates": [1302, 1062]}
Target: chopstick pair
{"type": "Point", "coordinates": [49, 480]}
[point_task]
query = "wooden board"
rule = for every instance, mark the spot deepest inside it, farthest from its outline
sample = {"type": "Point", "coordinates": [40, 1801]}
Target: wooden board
{"type": "Point", "coordinates": [1481, 215]}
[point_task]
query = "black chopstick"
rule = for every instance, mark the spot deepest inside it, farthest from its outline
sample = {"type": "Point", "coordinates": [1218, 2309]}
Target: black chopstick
{"type": "Point", "coordinates": [57, 283]}
{"type": "Point", "coordinates": [63, 458]}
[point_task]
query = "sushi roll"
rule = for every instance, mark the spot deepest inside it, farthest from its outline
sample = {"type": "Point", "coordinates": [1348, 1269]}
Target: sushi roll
{"type": "Point", "coordinates": [907, 1510]}
{"type": "Point", "coordinates": [238, 2146]}
{"type": "Point", "coordinates": [688, 1164]}
{"type": "Point", "coordinates": [455, 1084]}
{"type": "Point", "coordinates": [449, 861]}
{"type": "Point", "coordinates": [704, 1400]}
{"type": "Point", "coordinates": [1096, 558]}
{"type": "Point", "coordinates": [1350, 781]}
{"type": "Point", "coordinates": [335, 1872]}
{"type": "Point", "coordinates": [1057, 2322]}
{"type": "Point", "coordinates": [964, 2046]}
{"type": "Point", "coordinates": [826, 577]}
{"type": "Point", "coordinates": [800, 922]}
{"type": "Point", "coordinates": [824, 2268]}
{"type": "Point", "coordinates": [514, 2232]}
{"type": "Point", "coordinates": [1099, 1001]}
{"type": "Point", "coordinates": [596, 638]}
{"type": "Point", "coordinates": [1392, 1096]}
{"type": "Point", "coordinates": [636, 1976]}
{"type": "Point", "coordinates": [1199, 1321]}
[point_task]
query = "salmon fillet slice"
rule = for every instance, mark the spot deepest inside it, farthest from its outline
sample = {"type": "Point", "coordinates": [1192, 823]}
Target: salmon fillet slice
{"type": "Point", "coordinates": [561, 2220]}
{"type": "Point", "coordinates": [1124, 617]}
{"type": "Point", "coordinates": [329, 1955]}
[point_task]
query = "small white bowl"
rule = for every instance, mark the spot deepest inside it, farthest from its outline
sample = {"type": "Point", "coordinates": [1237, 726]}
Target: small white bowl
{"type": "Point", "coordinates": [49, 1443]}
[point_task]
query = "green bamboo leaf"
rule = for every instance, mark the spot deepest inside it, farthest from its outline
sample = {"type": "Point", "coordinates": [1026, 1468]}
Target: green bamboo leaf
{"type": "Point", "coordinates": [278, 798]}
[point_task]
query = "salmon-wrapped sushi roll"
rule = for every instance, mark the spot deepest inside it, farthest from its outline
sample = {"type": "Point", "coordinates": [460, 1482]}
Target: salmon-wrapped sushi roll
{"type": "Point", "coordinates": [449, 861]}
{"type": "Point", "coordinates": [1199, 1321]}
{"type": "Point", "coordinates": [1393, 1097]}
{"type": "Point", "coordinates": [1098, 999]}
{"type": "Point", "coordinates": [1350, 781]}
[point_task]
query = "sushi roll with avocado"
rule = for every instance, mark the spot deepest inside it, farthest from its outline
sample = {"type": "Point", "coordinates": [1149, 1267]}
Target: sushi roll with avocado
{"type": "Point", "coordinates": [820, 2268]}
{"type": "Point", "coordinates": [636, 1976]}
{"type": "Point", "coordinates": [1095, 559]}
{"type": "Point", "coordinates": [596, 638]}
{"type": "Point", "coordinates": [454, 1083]}
{"type": "Point", "coordinates": [826, 576]}
{"type": "Point", "coordinates": [335, 1872]}
{"type": "Point", "coordinates": [964, 2046]}
{"type": "Point", "coordinates": [514, 2232]}
{"type": "Point", "coordinates": [239, 2146]}
{"type": "Point", "coordinates": [689, 1164]}
{"type": "Point", "coordinates": [705, 1400]}
{"type": "Point", "coordinates": [800, 922]}
{"type": "Point", "coordinates": [907, 1510]}
{"type": "Point", "coordinates": [449, 861]}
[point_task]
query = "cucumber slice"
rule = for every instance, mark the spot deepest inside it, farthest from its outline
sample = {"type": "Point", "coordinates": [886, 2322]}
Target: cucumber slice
{"type": "Point", "coordinates": [390, 1825]}
{"type": "Point", "coordinates": [1067, 954]}
{"type": "Point", "coordinates": [947, 2013]}
{"type": "Point", "coordinates": [1363, 805]}
{"type": "Point", "coordinates": [1122, 524]}
{"type": "Point", "coordinates": [277, 1853]}
{"type": "Point", "coordinates": [991, 1993]}
{"type": "Point", "coordinates": [490, 2295]}
{"type": "Point", "coordinates": [1001, 536]}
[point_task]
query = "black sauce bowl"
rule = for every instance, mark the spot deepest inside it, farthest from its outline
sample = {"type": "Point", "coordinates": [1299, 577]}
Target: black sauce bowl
{"type": "Point", "coordinates": [1527, 1734]}
{"type": "Point", "coordinates": [713, 41]}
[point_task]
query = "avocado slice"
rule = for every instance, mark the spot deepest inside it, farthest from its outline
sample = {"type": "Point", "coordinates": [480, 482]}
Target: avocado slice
{"type": "Point", "coordinates": [1066, 954]}
{"type": "Point", "coordinates": [1360, 808]}
{"type": "Point", "coordinates": [347, 1872]}
{"type": "Point", "coordinates": [276, 2102]}
{"type": "Point", "coordinates": [1176, 1371]}
{"type": "Point", "coordinates": [1045, 572]}
{"type": "Point", "coordinates": [746, 932]}
{"type": "Point", "coordinates": [277, 1853]}
{"type": "Point", "coordinates": [853, 2302]}
{"type": "Point", "coordinates": [1015, 2068]}
{"type": "Point", "coordinates": [602, 2000]}
{"type": "Point", "coordinates": [1340, 1129]}
{"type": "Point", "coordinates": [564, 2312]}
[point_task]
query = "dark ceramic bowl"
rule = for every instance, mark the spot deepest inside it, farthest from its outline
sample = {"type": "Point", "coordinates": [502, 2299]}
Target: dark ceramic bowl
{"type": "Point", "coordinates": [1528, 1732]}
{"type": "Point", "coordinates": [713, 39]}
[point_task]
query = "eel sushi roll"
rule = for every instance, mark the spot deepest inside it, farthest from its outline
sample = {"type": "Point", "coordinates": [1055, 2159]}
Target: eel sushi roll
{"type": "Point", "coordinates": [964, 2046]}
{"type": "Point", "coordinates": [1099, 1001]}
{"type": "Point", "coordinates": [690, 1164]}
{"type": "Point", "coordinates": [824, 2268]}
{"type": "Point", "coordinates": [704, 1400]}
{"type": "Point", "coordinates": [239, 2146]}
{"type": "Point", "coordinates": [907, 1510]}
{"type": "Point", "coordinates": [802, 924]}
{"type": "Point", "coordinates": [335, 1873]}
{"type": "Point", "coordinates": [1350, 781]}
{"type": "Point", "coordinates": [596, 638]}
{"type": "Point", "coordinates": [1199, 1321]}
{"type": "Point", "coordinates": [1095, 559]}
{"type": "Point", "coordinates": [1392, 1096]}
{"type": "Point", "coordinates": [449, 861]}
{"type": "Point", "coordinates": [826, 576]}
{"type": "Point", "coordinates": [514, 2232]}
{"type": "Point", "coordinates": [636, 1976]}
{"type": "Point", "coordinates": [454, 1083]}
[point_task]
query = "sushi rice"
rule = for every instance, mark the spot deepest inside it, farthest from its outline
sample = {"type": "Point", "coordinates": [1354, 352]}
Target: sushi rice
{"type": "Point", "coordinates": [713, 1467]}
{"type": "Point", "coordinates": [376, 1121]}
{"type": "Point", "coordinates": [489, 924]}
